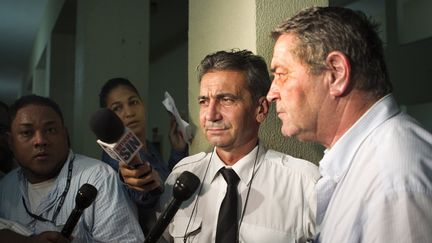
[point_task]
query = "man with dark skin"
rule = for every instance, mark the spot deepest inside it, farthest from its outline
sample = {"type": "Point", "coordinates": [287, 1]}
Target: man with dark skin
{"type": "Point", "coordinates": [40, 194]}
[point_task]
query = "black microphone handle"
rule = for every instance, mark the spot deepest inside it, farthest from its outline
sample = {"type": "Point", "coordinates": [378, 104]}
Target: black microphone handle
{"type": "Point", "coordinates": [71, 222]}
{"type": "Point", "coordinates": [165, 218]}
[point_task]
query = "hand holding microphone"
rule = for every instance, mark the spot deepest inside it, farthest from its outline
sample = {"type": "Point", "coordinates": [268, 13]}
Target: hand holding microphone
{"type": "Point", "coordinates": [141, 178]}
{"type": "Point", "coordinates": [123, 145]}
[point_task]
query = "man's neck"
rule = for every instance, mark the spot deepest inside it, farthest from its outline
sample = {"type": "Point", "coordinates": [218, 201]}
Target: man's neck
{"type": "Point", "coordinates": [347, 113]}
{"type": "Point", "coordinates": [231, 155]}
{"type": "Point", "coordinates": [34, 179]}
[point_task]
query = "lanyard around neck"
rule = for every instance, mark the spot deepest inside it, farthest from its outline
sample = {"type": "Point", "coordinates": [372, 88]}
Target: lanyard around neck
{"type": "Point", "coordinates": [62, 198]}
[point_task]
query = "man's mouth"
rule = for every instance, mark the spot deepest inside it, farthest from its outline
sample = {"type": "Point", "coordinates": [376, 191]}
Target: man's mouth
{"type": "Point", "coordinates": [41, 156]}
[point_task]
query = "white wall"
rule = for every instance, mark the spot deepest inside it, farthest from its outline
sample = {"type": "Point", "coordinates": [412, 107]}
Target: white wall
{"type": "Point", "coordinates": [167, 73]}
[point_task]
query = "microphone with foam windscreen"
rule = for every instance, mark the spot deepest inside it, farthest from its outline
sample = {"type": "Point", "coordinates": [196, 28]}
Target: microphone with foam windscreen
{"type": "Point", "coordinates": [115, 139]}
{"type": "Point", "coordinates": [85, 196]}
{"type": "Point", "coordinates": [184, 187]}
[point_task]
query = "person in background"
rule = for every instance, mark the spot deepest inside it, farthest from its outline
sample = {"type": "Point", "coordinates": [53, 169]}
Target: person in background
{"type": "Point", "coordinates": [331, 86]}
{"type": "Point", "coordinates": [121, 96]}
{"type": "Point", "coordinates": [40, 194]}
{"type": "Point", "coordinates": [273, 192]}
{"type": "Point", "coordinates": [6, 156]}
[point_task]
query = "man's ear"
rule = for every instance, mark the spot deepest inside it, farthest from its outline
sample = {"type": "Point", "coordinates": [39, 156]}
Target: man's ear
{"type": "Point", "coordinates": [262, 109]}
{"type": "Point", "coordinates": [340, 71]}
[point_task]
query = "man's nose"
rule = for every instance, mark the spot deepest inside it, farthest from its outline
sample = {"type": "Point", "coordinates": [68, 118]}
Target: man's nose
{"type": "Point", "coordinates": [40, 139]}
{"type": "Point", "coordinates": [273, 93]}
{"type": "Point", "coordinates": [213, 113]}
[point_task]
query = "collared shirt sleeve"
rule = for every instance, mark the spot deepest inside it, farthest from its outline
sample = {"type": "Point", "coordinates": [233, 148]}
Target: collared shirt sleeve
{"type": "Point", "coordinates": [399, 217]}
{"type": "Point", "coordinates": [113, 215]}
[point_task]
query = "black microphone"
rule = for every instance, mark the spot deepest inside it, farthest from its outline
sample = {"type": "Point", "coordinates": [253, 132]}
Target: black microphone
{"type": "Point", "coordinates": [85, 196]}
{"type": "Point", "coordinates": [115, 139]}
{"type": "Point", "coordinates": [184, 187]}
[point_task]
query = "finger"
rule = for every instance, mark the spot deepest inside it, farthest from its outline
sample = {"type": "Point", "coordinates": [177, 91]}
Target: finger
{"type": "Point", "coordinates": [144, 181]}
{"type": "Point", "coordinates": [144, 188]}
{"type": "Point", "coordinates": [148, 172]}
{"type": "Point", "coordinates": [136, 172]}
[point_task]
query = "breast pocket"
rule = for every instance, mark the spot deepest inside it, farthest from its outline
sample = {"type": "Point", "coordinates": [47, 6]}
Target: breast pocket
{"type": "Point", "coordinates": [181, 228]}
{"type": "Point", "coordinates": [259, 234]}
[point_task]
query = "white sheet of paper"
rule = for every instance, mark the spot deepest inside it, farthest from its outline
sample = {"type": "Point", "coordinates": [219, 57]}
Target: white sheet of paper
{"type": "Point", "coordinates": [184, 127]}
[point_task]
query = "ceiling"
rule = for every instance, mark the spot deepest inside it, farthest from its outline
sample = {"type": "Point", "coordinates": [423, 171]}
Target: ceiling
{"type": "Point", "coordinates": [19, 22]}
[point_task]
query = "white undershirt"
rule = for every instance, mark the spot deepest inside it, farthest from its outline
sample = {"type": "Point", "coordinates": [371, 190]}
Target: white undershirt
{"type": "Point", "coordinates": [36, 192]}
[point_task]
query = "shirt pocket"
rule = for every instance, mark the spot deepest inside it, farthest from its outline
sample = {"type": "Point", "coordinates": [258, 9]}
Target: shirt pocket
{"type": "Point", "coordinates": [177, 229]}
{"type": "Point", "coordinates": [258, 234]}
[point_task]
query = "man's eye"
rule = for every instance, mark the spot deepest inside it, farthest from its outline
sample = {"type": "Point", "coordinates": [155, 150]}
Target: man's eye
{"type": "Point", "coordinates": [26, 133]}
{"type": "Point", "coordinates": [227, 101]}
{"type": "Point", "coordinates": [203, 102]}
{"type": "Point", "coordinates": [51, 130]}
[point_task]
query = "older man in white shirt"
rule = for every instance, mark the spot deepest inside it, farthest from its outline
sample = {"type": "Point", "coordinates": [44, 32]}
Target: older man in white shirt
{"type": "Point", "coordinates": [331, 86]}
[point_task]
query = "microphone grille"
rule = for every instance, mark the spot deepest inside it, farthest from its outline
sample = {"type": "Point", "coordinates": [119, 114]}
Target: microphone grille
{"type": "Point", "coordinates": [106, 125]}
{"type": "Point", "coordinates": [185, 186]}
{"type": "Point", "coordinates": [85, 196]}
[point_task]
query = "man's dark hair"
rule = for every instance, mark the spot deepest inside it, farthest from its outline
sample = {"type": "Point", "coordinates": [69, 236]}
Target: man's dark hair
{"type": "Point", "coordinates": [112, 84]}
{"type": "Point", "coordinates": [253, 66]}
{"type": "Point", "coordinates": [321, 30]}
{"type": "Point", "coordinates": [33, 100]}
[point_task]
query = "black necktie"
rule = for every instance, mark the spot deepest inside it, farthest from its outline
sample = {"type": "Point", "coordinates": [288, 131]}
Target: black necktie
{"type": "Point", "coordinates": [227, 225]}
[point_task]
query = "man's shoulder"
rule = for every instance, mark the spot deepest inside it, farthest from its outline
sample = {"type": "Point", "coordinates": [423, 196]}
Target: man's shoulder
{"type": "Point", "coordinates": [403, 136]}
{"type": "Point", "coordinates": [83, 162]}
{"type": "Point", "coordinates": [289, 163]}
{"type": "Point", "coordinates": [9, 179]}
{"type": "Point", "coordinates": [192, 160]}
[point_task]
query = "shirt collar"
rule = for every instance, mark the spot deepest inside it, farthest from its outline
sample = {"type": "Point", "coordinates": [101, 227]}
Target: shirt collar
{"type": "Point", "coordinates": [61, 179]}
{"type": "Point", "coordinates": [242, 167]}
{"type": "Point", "coordinates": [337, 159]}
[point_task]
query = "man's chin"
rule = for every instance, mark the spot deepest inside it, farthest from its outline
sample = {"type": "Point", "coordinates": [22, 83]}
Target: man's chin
{"type": "Point", "coordinates": [217, 142]}
{"type": "Point", "coordinates": [289, 132]}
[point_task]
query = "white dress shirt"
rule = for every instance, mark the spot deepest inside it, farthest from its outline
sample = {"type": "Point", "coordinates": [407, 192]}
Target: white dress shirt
{"type": "Point", "coordinates": [280, 207]}
{"type": "Point", "coordinates": [382, 167]}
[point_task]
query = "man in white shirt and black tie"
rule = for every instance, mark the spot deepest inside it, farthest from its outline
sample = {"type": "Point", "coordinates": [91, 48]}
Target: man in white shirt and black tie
{"type": "Point", "coordinates": [247, 193]}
